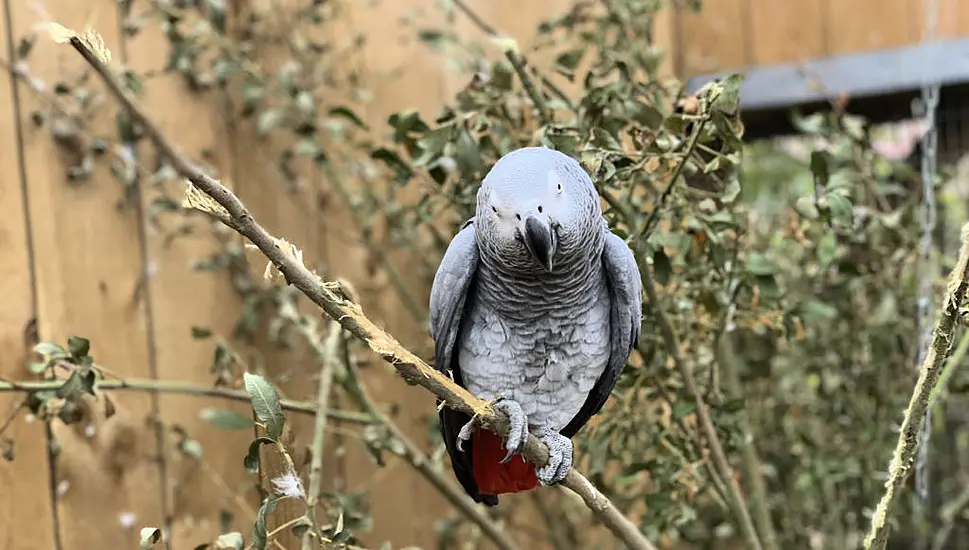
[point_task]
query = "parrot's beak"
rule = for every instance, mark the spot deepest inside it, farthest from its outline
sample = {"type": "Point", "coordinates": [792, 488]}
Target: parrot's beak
{"type": "Point", "coordinates": [540, 242]}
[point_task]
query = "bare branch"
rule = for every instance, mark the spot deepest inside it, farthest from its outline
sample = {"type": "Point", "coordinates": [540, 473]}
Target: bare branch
{"type": "Point", "coordinates": [319, 430]}
{"type": "Point", "coordinates": [909, 436]}
{"type": "Point", "coordinates": [703, 414]}
{"type": "Point", "coordinates": [412, 368]}
{"type": "Point", "coordinates": [185, 388]}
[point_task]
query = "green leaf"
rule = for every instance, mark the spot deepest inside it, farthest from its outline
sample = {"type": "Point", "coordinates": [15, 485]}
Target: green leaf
{"type": "Point", "coordinates": [36, 367]}
{"type": "Point", "coordinates": [200, 333]}
{"type": "Point", "coordinates": [251, 461]}
{"type": "Point", "coordinates": [682, 408]}
{"type": "Point", "coordinates": [268, 120]}
{"type": "Point", "coordinates": [265, 403]}
{"type": "Point", "coordinates": [827, 248]}
{"type": "Point", "coordinates": [81, 381]}
{"type": "Point", "coordinates": [815, 309]}
{"type": "Point", "coordinates": [806, 208]}
{"type": "Point", "coordinates": [728, 100]}
{"type": "Point", "coordinates": [347, 113]}
{"type": "Point", "coordinates": [150, 537]}
{"type": "Point", "coordinates": [225, 419]}
{"type": "Point", "coordinates": [78, 347]}
{"type": "Point", "coordinates": [840, 207]}
{"type": "Point", "coordinates": [259, 536]}
{"type": "Point", "coordinates": [51, 351]}
{"type": "Point", "coordinates": [662, 267]}
{"type": "Point", "coordinates": [230, 541]}
{"type": "Point", "coordinates": [821, 167]}
{"type": "Point", "coordinates": [432, 144]}
{"type": "Point", "coordinates": [759, 264]}
{"type": "Point", "coordinates": [566, 62]}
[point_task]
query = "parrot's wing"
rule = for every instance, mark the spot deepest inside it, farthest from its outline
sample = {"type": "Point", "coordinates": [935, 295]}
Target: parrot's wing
{"type": "Point", "coordinates": [453, 282]}
{"type": "Point", "coordinates": [449, 291]}
{"type": "Point", "coordinates": [625, 321]}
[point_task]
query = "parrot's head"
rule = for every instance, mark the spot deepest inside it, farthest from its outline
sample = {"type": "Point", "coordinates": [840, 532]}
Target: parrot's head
{"type": "Point", "coordinates": [537, 207]}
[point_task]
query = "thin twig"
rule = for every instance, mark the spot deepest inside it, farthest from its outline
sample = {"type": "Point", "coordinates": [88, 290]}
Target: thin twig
{"type": "Point", "coordinates": [409, 366]}
{"type": "Point", "coordinates": [664, 197]}
{"type": "Point", "coordinates": [518, 61]}
{"type": "Point", "coordinates": [11, 416]}
{"type": "Point", "coordinates": [909, 436]}
{"type": "Point", "coordinates": [319, 430]}
{"type": "Point", "coordinates": [748, 449]}
{"type": "Point", "coordinates": [185, 388]}
{"type": "Point", "coordinates": [703, 413]}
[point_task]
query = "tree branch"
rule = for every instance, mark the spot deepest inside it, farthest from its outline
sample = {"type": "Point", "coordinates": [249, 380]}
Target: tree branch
{"type": "Point", "coordinates": [519, 63]}
{"type": "Point", "coordinates": [408, 451]}
{"type": "Point", "coordinates": [413, 455]}
{"type": "Point", "coordinates": [909, 436]}
{"type": "Point", "coordinates": [412, 368]}
{"type": "Point", "coordinates": [748, 448]}
{"type": "Point", "coordinates": [185, 388]}
{"type": "Point", "coordinates": [319, 430]}
{"type": "Point", "coordinates": [703, 413]}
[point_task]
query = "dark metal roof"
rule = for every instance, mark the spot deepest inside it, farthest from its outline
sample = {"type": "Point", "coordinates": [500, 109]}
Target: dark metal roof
{"type": "Point", "coordinates": [881, 84]}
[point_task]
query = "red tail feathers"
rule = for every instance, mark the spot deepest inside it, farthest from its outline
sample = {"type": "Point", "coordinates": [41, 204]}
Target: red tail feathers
{"type": "Point", "coordinates": [493, 477]}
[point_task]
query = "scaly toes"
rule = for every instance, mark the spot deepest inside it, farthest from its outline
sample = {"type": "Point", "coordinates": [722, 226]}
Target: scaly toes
{"type": "Point", "coordinates": [559, 457]}
{"type": "Point", "coordinates": [517, 429]}
{"type": "Point", "coordinates": [465, 432]}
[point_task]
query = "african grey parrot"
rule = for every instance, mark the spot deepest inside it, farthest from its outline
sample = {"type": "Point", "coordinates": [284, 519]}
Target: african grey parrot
{"type": "Point", "coordinates": [538, 303]}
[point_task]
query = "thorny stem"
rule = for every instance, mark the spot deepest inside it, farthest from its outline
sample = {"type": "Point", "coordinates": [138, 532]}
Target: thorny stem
{"type": "Point", "coordinates": [703, 413]}
{"type": "Point", "coordinates": [319, 430]}
{"type": "Point", "coordinates": [185, 388]}
{"type": "Point", "coordinates": [412, 368]}
{"type": "Point", "coordinates": [910, 433]}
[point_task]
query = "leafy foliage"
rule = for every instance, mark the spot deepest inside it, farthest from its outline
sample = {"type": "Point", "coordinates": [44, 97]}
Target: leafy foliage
{"type": "Point", "coordinates": [787, 281]}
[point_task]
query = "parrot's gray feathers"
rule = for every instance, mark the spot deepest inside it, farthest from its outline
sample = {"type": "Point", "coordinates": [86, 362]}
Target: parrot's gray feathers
{"type": "Point", "coordinates": [449, 292]}
{"type": "Point", "coordinates": [536, 302]}
{"type": "Point", "coordinates": [453, 282]}
{"type": "Point", "coordinates": [625, 319]}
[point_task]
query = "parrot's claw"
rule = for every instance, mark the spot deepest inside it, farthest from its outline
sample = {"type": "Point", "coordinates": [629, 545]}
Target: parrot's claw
{"type": "Point", "coordinates": [517, 427]}
{"type": "Point", "coordinates": [465, 432]}
{"type": "Point", "coordinates": [559, 457]}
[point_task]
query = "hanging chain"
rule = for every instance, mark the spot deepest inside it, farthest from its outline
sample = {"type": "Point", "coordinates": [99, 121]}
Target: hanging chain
{"type": "Point", "coordinates": [926, 267]}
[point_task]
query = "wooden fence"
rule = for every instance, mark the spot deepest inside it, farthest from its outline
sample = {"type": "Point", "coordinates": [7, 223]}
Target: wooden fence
{"type": "Point", "coordinates": [80, 258]}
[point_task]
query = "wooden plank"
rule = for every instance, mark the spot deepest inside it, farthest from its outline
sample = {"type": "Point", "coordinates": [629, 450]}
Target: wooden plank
{"type": "Point", "coordinates": [26, 494]}
{"type": "Point", "coordinates": [784, 31]}
{"type": "Point", "coordinates": [715, 39]}
{"type": "Point", "coordinates": [182, 297]}
{"type": "Point", "coordinates": [952, 19]}
{"type": "Point", "coordinates": [867, 25]}
{"type": "Point", "coordinates": [88, 275]}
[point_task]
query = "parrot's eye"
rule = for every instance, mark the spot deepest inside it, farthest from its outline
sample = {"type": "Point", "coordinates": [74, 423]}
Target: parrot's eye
{"type": "Point", "coordinates": [559, 188]}
{"type": "Point", "coordinates": [493, 209]}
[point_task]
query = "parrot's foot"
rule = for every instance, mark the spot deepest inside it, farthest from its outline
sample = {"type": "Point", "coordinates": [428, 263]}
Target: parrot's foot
{"type": "Point", "coordinates": [517, 427]}
{"type": "Point", "coordinates": [517, 430]}
{"type": "Point", "coordinates": [559, 457]}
